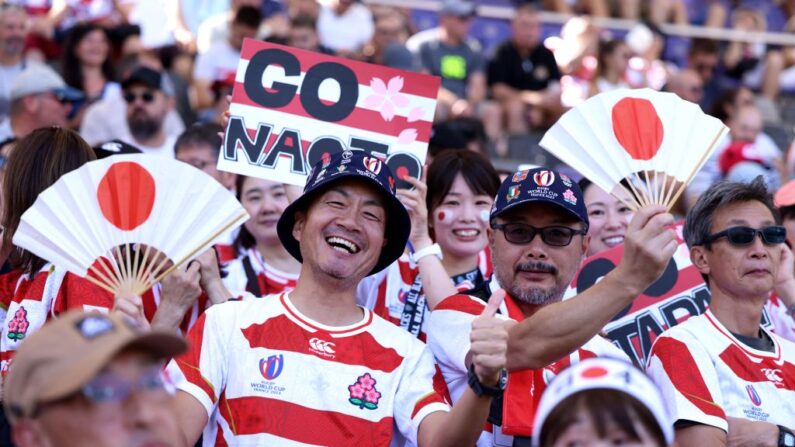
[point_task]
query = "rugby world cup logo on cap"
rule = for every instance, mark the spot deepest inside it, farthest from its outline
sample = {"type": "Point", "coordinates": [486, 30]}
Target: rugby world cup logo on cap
{"type": "Point", "coordinates": [372, 164]}
{"type": "Point", "coordinates": [544, 178]}
{"type": "Point", "coordinates": [271, 367]}
{"type": "Point", "coordinates": [753, 395]}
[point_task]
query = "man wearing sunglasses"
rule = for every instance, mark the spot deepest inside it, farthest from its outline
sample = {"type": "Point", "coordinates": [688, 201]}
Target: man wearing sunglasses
{"type": "Point", "coordinates": [730, 381]}
{"type": "Point", "coordinates": [538, 239]}
{"type": "Point", "coordinates": [87, 379]}
{"type": "Point", "coordinates": [149, 95]}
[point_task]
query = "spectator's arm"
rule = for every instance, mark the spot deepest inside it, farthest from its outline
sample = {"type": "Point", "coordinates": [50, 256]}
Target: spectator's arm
{"type": "Point", "coordinates": [191, 416]}
{"type": "Point", "coordinates": [702, 436]}
{"type": "Point", "coordinates": [436, 282]}
{"type": "Point", "coordinates": [182, 32]}
{"type": "Point", "coordinates": [744, 432]}
{"type": "Point", "coordinates": [558, 329]}
{"type": "Point", "coordinates": [476, 88]}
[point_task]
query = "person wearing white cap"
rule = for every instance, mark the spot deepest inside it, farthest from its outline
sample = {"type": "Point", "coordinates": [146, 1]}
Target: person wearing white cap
{"type": "Point", "coordinates": [601, 402]}
{"type": "Point", "coordinates": [39, 98]}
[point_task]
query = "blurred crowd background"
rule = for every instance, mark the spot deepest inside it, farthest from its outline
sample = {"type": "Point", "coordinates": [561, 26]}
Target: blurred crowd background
{"type": "Point", "coordinates": [509, 68]}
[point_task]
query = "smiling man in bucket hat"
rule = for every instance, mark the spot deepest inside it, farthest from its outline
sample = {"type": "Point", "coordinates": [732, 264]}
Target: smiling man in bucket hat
{"type": "Point", "coordinates": [87, 379]}
{"type": "Point", "coordinates": [310, 367]}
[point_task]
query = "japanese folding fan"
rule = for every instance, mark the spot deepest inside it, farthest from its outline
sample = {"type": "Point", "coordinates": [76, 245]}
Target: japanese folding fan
{"type": "Point", "coordinates": [648, 143]}
{"type": "Point", "coordinates": [120, 220]}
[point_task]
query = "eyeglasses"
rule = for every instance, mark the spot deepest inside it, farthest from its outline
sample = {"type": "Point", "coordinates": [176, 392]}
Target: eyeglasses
{"type": "Point", "coordinates": [741, 236]}
{"type": "Point", "coordinates": [113, 388]}
{"type": "Point", "coordinates": [521, 234]}
{"type": "Point", "coordinates": [147, 97]}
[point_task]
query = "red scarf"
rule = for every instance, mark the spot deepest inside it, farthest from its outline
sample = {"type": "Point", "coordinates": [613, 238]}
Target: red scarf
{"type": "Point", "coordinates": [523, 392]}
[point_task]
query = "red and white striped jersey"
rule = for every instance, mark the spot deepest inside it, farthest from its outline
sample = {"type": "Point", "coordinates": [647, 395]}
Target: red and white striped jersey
{"type": "Point", "coordinates": [783, 324]}
{"type": "Point", "coordinates": [34, 301]}
{"type": "Point", "coordinates": [270, 280]}
{"type": "Point", "coordinates": [385, 292]}
{"type": "Point", "coordinates": [151, 301]}
{"type": "Point", "coordinates": [268, 375]}
{"type": "Point", "coordinates": [448, 338]}
{"type": "Point", "coordinates": [708, 375]}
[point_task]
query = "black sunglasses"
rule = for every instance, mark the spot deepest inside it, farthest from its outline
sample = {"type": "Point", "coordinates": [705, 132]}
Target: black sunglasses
{"type": "Point", "coordinates": [745, 235]}
{"type": "Point", "coordinates": [521, 234]}
{"type": "Point", "coordinates": [146, 96]}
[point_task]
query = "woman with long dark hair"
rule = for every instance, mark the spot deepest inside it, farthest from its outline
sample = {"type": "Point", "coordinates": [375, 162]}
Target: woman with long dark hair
{"type": "Point", "coordinates": [87, 65]}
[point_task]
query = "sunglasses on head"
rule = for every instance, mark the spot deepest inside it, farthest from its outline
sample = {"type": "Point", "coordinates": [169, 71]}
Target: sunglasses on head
{"type": "Point", "coordinates": [147, 97]}
{"type": "Point", "coordinates": [745, 235]}
{"type": "Point", "coordinates": [521, 234]}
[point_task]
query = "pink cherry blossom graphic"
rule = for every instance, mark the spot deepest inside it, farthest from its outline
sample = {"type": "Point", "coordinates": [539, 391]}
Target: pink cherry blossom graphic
{"type": "Point", "coordinates": [407, 136]}
{"type": "Point", "coordinates": [363, 392]}
{"type": "Point", "coordinates": [415, 114]}
{"type": "Point", "coordinates": [357, 391]}
{"type": "Point", "coordinates": [386, 97]}
{"type": "Point", "coordinates": [18, 326]}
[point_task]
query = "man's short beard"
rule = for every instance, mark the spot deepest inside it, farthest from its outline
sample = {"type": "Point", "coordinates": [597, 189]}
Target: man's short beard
{"type": "Point", "coordinates": [533, 295]}
{"type": "Point", "coordinates": [143, 128]}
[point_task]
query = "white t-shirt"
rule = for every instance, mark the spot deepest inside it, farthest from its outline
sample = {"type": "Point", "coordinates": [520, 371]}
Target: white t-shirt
{"type": "Point", "coordinates": [106, 120]}
{"type": "Point", "coordinates": [347, 32]}
{"type": "Point", "coordinates": [217, 63]}
{"type": "Point", "coordinates": [164, 150]}
{"type": "Point", "coordinates": [708, 375]}
{"type": "Point", "coordinates": [268, 375]}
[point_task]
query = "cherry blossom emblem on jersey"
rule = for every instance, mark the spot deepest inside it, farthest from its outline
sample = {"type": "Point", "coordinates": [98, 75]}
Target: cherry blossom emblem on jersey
{"type": "Point", "coordinates": [363, 392]}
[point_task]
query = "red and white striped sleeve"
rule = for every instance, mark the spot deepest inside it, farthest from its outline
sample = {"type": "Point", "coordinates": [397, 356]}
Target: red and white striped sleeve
{"type": "Point", "coordinates": [448, 337]}
{"type": "Point", "coordinates": [416, 396]}
{"type": "Point", "coordinates": [688, 380]}
{"type": "Point", "coordinates": [201, 371]}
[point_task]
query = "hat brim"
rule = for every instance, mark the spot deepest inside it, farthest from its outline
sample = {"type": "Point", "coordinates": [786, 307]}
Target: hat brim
{"type": "Point", "coordinates": [518, 203]}
{"type": "Point", "coordinates": [162, 345]}
{"type": "Point", "coordinates": [398, 223]}
{"type": "Point", "coordinates": [69, 94]}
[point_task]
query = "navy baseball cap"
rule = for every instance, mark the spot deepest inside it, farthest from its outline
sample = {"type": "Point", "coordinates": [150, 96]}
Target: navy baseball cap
{"type": "Point", "coordinates": [345, 165]}
{"type": "Point", "coordinates": [540, 185]}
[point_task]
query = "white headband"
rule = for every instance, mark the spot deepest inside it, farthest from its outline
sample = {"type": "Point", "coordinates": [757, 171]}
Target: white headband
{"type": "Point", "coordinates": [608, 374]}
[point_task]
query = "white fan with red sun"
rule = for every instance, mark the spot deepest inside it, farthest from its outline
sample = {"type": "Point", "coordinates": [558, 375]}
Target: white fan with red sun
{"type": "Point", "coordinates": [645, 142]}
{"type": "Point", "coordinates": [124, 222]}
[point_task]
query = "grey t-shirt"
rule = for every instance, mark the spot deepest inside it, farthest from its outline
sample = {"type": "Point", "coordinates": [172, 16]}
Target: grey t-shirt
{"type": "Point", "coordinates": [453, 64]}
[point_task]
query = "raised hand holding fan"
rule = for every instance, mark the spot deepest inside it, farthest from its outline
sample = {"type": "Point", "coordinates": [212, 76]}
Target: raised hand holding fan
{"type": "Point", "coordinates": [648, 143]}
{"type": "Point", "coordinates": [125, 222]}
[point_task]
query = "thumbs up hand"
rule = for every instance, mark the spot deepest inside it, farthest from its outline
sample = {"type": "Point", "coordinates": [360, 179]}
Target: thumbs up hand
{"type": "Point", "coordinates": [489, 341]}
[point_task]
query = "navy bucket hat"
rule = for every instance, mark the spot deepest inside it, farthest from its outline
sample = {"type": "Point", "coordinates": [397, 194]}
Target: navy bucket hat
{"type": "Point", "coordinates": [346, 165]}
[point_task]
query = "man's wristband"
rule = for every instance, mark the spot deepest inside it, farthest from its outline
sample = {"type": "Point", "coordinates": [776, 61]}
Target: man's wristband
{"type": "Point", "coordinates": [785, 437]}
{"type": "Point", "coordinates": [434, 249]}
{"type": "Point", "coordinates": [482, 390]}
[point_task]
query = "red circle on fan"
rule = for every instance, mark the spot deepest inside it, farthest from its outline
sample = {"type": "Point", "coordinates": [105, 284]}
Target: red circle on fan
{"type": "Point", "coordinates": [594, 372]}
{"type": "Point", "coordinates": [126, 195]}
{"type": "Point", "coordinates": [637, 127]}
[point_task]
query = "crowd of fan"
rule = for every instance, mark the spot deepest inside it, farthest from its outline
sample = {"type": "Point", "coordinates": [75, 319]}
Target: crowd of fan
{"type": "Point", "coordinates": [362, 338]}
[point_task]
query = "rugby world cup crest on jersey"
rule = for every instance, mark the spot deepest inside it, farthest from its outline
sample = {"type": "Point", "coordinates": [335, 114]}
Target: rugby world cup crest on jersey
{"type": "Point", "coordinates": [753, 395]}
{"type": "Point", "coordinates": [544, 178]}
{"type": "Point", "coordinates": [271, 367]}
{"type": "Point", "coordinates": [372, 164]}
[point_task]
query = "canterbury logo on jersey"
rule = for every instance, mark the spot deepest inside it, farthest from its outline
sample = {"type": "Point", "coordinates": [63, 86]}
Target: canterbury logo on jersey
{"type": "Point", "coordinates": [773, 375]}
{"type": "Point", "coordinates": [321, 346]}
